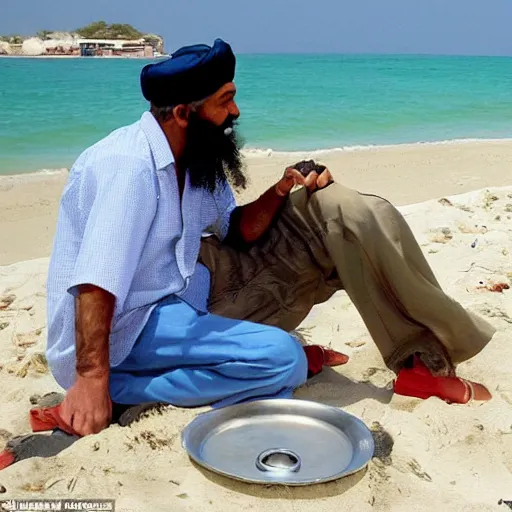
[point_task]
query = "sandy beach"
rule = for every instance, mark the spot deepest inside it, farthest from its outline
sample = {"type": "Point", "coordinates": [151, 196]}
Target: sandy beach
{"type": "Point", "coordinates": [457, 197]}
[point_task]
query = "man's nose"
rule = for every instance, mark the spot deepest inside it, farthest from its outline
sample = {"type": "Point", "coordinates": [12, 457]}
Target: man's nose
{"type": "Point", "coordinates": [234, 111]}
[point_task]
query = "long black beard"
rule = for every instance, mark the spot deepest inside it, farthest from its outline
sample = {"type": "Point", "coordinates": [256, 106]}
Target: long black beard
{"type": "Point", "coordinates": [212, 157]}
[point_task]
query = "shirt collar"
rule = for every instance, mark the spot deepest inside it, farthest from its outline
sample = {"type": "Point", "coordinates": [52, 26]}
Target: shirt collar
{"type": "Point", "coordinates": [157, 140]}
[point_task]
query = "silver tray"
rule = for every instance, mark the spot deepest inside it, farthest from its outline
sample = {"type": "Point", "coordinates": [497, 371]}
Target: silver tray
{"type": "Point", "coordinates": [289, 442]}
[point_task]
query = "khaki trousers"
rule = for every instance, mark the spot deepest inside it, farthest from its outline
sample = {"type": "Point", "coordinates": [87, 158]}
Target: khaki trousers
{"type": "Point", "coordinates": [338, 239]}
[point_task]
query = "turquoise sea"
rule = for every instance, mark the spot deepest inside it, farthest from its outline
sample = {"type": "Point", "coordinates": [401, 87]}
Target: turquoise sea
{"type": "Point", "coordinates": [52, 109]}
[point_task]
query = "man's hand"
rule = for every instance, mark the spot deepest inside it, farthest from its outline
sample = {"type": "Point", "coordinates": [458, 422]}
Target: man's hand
{"type": "Point", "coordinates": [312, 182]}
{"type": "Point", "coordinates": [87, 407]}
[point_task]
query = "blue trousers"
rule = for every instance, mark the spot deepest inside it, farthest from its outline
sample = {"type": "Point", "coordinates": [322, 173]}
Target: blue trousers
{"type": "Point", "coordinates": [189, 359]}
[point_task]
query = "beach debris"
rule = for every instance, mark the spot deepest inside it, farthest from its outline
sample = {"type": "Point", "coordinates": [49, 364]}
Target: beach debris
{"type": "Point", "coordinates": [383, 443]}
{"type": "Point", "coordinates": [302, 335]}
{"type": "Point", "coordinates": [50, 399]}
{"type": "Point", "coordinates": [493, 287]}
{"type": "Point", "coordinates": [445, 202]}
{"type": "Point", "coordinates": [182, 496]}
{"type": "Point", "coordinates": [4, 325]}
{"type": "Point", "coordinates": [6, 301]}
{"type": "Point", "coordinates": [141, 411]}
{"type": "Point", "coordinates": [441, 235]}
{"type": "Point", "coordinates": [496, 313]}
{"type": "Point", "coordinates": [473, 245]}
{"type": "Point", "coordinates": [355, 344]}
{"type": "Point", "coordinates": [464, 208]}
{"type": "Point", "coordinates": [154, 442]}
{"type": "Point", "coordinates": [489, 199]}
{"type": "Point", "coordinates": [53, 482]}
{"type": "Point", "coordinates": [26, 340]}
{"type": "Point", "coordinates": [473, 229]}
{"type": "Point", "coordinates": [508, 208]}
{"type": "Point", "coordinates": [95, 446]}
{"type": "Point", "coordinates": [3, 490]}
{"type": "Point", "coordinates": [498, 217]}
{"type": "Point", "coordinates": [474, 265]}
{"type": "Point", "coordinates": [33, 487]}
{"type": "Point", "coordinates": [415, 467]}
{"type": "Point", "coordinates": [34, 399]}
{"type": "Point", "coordinates": [5, 434]}
{"type": "Point", "coordinates": [35, 362]}
{"type": "Point", "coordinates": [504, 252]}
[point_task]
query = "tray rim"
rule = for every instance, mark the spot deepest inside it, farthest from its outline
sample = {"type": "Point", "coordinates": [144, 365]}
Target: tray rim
{"type": "Point", "coordinates": [276, 402]}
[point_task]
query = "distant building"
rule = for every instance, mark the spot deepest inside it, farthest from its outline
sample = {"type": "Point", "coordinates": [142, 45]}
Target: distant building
{"type": "Point", "coordinates": [115, 48]}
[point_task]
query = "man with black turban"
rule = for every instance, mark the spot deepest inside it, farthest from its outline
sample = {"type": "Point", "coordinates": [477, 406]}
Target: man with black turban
{"type": "Point", "coordinates": [162, 289]}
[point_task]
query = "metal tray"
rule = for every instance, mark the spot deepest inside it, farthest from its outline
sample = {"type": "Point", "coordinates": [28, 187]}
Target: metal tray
{"type": "Point", "coordinates": [289, 442]}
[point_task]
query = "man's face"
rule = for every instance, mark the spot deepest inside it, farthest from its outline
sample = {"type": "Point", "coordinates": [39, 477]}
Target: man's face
{"type": "Point", "coordinates": [221, 106]}
{"type": "Point", "coordinates": [212, 151]}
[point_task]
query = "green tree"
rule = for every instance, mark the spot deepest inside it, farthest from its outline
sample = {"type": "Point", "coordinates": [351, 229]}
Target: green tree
{"type": "Point", "coordinates": [43, 34]}
{"type": "Point", "coordinates": [101, 30]}
{"type": "Point", "coordinates": [93, 30]}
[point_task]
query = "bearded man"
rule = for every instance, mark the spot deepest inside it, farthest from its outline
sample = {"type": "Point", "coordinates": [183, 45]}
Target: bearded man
{"type": "Point", "coordinates": [162, 289]}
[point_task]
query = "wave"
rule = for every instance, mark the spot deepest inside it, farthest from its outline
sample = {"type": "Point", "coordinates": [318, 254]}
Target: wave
{"type": "Point", "coordinates": [268, 152]}
{"type": "Point", "coordinates": [254, 153]}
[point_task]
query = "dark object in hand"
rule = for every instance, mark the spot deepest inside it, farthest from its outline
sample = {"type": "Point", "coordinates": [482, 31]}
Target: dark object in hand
{"type": "Point", "coordinates": [307, 166]}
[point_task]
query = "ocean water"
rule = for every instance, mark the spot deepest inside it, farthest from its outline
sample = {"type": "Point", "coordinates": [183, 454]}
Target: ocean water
{"type": "Point", "coordinates": [52, 109]}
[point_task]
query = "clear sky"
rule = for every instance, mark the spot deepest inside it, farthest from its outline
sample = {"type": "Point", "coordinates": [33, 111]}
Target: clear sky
{"type": "Point", "coordinates": [474, 27]}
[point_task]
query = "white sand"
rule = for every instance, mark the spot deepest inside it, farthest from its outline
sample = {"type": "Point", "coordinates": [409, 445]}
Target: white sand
{"type": "Point", "coordinates": [444, 458]}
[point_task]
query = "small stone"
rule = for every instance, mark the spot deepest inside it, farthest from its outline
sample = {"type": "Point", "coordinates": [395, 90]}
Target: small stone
{"type": "Point", "coordinates": [479, 427]}
{"type": "Point", "coordinates": [182, 496]}
{"type": "Point", "coordinates": [6, 301]}
{"type": "Point", "coordinates": [5, 434]}
{"type": "Point", "coordinates": [4, 325]}
{"type": "Point", "coordinates": [34, 399]}
{"type": "Point", "coordinates": [445, 202]}
{"type": "Point", "coordinates": [95, 447]}
{"type": "Point", "coordinates": [508, 208]}
{"type": "Point", "coordinates": [3, 490]}
{"type": "Point", "coordinates": [355, 344]}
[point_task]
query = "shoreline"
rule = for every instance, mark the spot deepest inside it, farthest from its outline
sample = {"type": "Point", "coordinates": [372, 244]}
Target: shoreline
{"type": "Point", "coordinates": [403, 174]}
{"type": "Point", "coordinates": [79, 57]}
{"type": "Point", "coordinates": [326, 152]}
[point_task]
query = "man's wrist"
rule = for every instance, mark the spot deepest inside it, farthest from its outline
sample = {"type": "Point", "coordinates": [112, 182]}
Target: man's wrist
{"type": "Point", "coordinates": [278, 191]}
{"type": "Point", "coordinates": [93, 374]}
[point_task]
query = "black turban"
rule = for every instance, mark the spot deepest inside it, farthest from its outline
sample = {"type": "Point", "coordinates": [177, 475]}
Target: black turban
{"type": "Point", "coordinates": [191, 74]}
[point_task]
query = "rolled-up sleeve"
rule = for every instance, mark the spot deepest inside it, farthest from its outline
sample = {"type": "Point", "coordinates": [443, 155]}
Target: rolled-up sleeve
{"type": "Point", "coordinates": [226, 203]}
{"type": "Point", "coordinates": [118, 222]}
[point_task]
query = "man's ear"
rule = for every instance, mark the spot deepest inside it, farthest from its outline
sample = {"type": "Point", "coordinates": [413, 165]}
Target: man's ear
{"type": "Point", "coordinates": [181, 114]}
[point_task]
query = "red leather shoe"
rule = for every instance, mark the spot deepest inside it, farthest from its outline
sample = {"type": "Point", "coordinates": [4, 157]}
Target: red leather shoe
{"type": "Point", "coordinates": [48, 418]}
{"type": "Point", "coordinates": [318, 357]}
{"type": "Point", "coordinates": [418, 382]}
{"type": "Point", "coordinates": [6, 459]}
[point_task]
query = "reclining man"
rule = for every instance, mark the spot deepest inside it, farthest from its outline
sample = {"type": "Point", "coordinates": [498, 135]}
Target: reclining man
{"type": "Point", "coordinates": [161, 289]}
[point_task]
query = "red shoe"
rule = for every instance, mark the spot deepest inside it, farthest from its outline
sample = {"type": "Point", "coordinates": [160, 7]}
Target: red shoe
{"type": "Point", "coordinates": [318, 357]}
{"type": "Point", "coordinates": [48, 418]}
{"type": "Point", "coordinates": [418, 382]}
{"type": "Point", "coordinates": [6, 459]}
